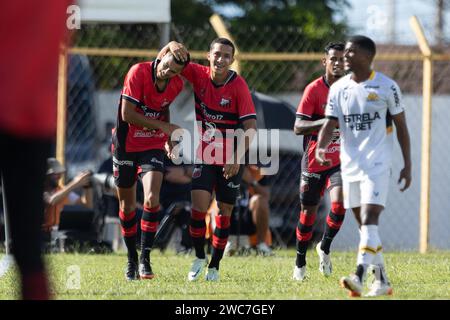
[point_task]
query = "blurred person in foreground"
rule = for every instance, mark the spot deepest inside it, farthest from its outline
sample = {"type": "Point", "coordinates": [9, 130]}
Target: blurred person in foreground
{"type": "Point", "coordinates": [139, 142]}
{"type": "Point", "coordinates": [31, 34]}
{"type": "Point", "coordinates": [315, 178]}
{"type": "Point", "coordinates": [363, 104]}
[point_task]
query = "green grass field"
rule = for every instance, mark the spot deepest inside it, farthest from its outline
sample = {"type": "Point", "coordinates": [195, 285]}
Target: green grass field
{"type": "Point", "coordinates": [413, 276]}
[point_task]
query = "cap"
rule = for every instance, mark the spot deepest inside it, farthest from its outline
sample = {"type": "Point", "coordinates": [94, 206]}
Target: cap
{"type": "Point", "coordinates": [54, 166]}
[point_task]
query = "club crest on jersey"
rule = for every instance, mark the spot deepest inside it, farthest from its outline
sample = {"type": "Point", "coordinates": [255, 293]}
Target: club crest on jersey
{"type": "Point", "coordinates": [372, 97]}
{"type": "Point", "coordinates": [225, 103]}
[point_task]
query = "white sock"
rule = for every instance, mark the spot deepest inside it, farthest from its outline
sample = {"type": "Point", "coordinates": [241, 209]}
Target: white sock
{"type": "Point", "coordinates": [368, 244]}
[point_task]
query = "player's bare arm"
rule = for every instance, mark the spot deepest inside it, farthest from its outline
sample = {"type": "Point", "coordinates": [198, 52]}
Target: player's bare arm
{"type": "Point", "coordinates": [305, 127]}
{"type": "Point", "coordinates": [178, 50]}
{"type": "Point", "coordinates": [405, 146]}
{"type": "Point", "coordinates": [130, 115]}
{"type": "Point", "coordinates": [231, 169]}
{"type": "Point", "coordinates": [324, 139]}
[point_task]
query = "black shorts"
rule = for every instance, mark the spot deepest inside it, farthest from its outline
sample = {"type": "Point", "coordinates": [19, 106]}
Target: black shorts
{"type": "Point", "coordinates": [210, 177]}
{"type": "Point", "coordinates": [313, 184]}
{"type": "Point", "coordinates": [128, 165]}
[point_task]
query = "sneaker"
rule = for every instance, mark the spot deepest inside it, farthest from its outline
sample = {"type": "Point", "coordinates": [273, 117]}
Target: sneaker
{"type": "Point", "coordinates": [263, 249]}
{"type": "Point", "coordinates": [196, 269]}
{"type": "Point", "coordinates": [145, 270]}
{"type": "Point", "coordinates": [325, 267]}
{"type": "Point", "coordinates": [299, 273]}
{"type": "Point", "coordinates": [212, 275]}
{"type": "Point", "coordinates": [379, 288]}
{"type": "Point", "coordinates": [131, 272]}
{"type": "Point", "coordinates": [230, 249]}
{"type": "Point", "coordinates": [353, 284]}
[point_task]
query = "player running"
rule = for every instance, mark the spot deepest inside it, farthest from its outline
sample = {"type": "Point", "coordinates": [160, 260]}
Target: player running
{"type": "Point", "coordinates": [316, 177]}
{"type": "Point", "coordinates": [363, 105]}
{"type": "Point", "coordinates": [139, 139]}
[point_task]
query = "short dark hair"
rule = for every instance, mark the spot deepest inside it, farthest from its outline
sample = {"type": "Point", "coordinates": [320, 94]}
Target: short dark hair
{"type": "Point", "coordinates": [339, 46]}
{"type": "Point", "coordinates": [224, 41]}
{"type": "Point", "coordinates": [183, 63]}
{"type": "Point", "coordinates": [364, 43]}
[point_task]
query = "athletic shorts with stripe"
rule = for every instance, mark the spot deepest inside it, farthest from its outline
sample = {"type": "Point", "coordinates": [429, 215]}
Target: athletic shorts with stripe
{"type": "Point", "coordinates": [210, 177]}
{"type": "Point", "coordinates": [128, 165]}
{"type": "Point", "coordinates": [313, 184]}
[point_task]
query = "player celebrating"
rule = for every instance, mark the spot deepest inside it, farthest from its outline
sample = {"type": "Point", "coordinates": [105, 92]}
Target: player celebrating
{"type": "Point", "coordinates": [222, 103]}
{"type": "Point", "coordinates": [315, 177]}
{"type": "Point", "coordinates": [363, 105]}
{"type": "Point", "coordinates": [142, 130]}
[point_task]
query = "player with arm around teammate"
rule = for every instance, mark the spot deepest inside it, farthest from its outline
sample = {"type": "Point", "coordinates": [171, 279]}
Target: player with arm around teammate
{"type": "Point", "coordinates": [139, 140]}
{"type": "Point", "coordinates": [222, 104]}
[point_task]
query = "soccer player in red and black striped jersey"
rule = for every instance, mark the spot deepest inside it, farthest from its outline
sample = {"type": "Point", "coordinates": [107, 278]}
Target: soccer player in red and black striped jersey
{"type": "Point", "coordinates": [142, 132]}
{"type": "Point", "coordinates": [222, 104]}
{"type": "Point", "coordinates": [315, 177]}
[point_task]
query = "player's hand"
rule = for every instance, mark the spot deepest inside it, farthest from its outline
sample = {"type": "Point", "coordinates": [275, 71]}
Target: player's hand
{"type": "Point", "coordinates": [405, 174]}
{"type": "Point", "coordinates": [320, 157]}
{"type": "Point", "coordinates": [230, 170]}
{"type": "Point", "coordinates": [168, 147]}
{"type": "Point", "coordinates": [178, 50]}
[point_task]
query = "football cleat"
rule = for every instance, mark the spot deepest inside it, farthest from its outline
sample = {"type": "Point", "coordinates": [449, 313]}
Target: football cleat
{"type": "Point", "coordinates": [196, 269]}
{"type": "Point", "coordinates": [299, 273]}
{"type": "Point", "coordinates": [131, 271]}
{"type": "Point", "coordinates": [352, 284]}
{"type": "Point", "coordinates": [379, 288]}
{"type": "Point", "coordinates": [212, 274]}
{"type": "Point", "coordinates": [325, 266]}
{"type": "Point", "coordinates": [145, 270]}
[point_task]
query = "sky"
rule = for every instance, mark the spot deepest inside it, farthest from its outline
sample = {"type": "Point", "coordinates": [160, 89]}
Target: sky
{"type": "Point", "coordinates": [371, 18]}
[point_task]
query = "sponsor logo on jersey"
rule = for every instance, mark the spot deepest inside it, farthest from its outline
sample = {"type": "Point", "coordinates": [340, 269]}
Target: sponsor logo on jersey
{"type": "Point", "coordinates": [372, 97]}
{"type": "Point", "coordinates": [396, 97]}
{"type": "Point", "coordinates": [210, 116]}
{"type": "Point", "coordinates": [150, 113]}
{"type": "Point", "coordinates": [146, 133]}
{"type": "Point", "coordinates": [361, 121]}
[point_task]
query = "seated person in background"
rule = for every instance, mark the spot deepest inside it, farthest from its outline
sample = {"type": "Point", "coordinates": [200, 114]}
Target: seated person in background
{"type": "Point", "coordinates": [259, 190]}
{"type": "Point", "coordinates": [57, 196]}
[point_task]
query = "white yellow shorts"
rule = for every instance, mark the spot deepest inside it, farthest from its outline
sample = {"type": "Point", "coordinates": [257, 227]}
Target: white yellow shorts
{"type": "Point", "coordinates": [370, 190]}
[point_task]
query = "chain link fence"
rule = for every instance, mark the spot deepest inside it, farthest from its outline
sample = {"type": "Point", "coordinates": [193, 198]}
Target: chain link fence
{"type": "Point", "coordinates": [95, 81]}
